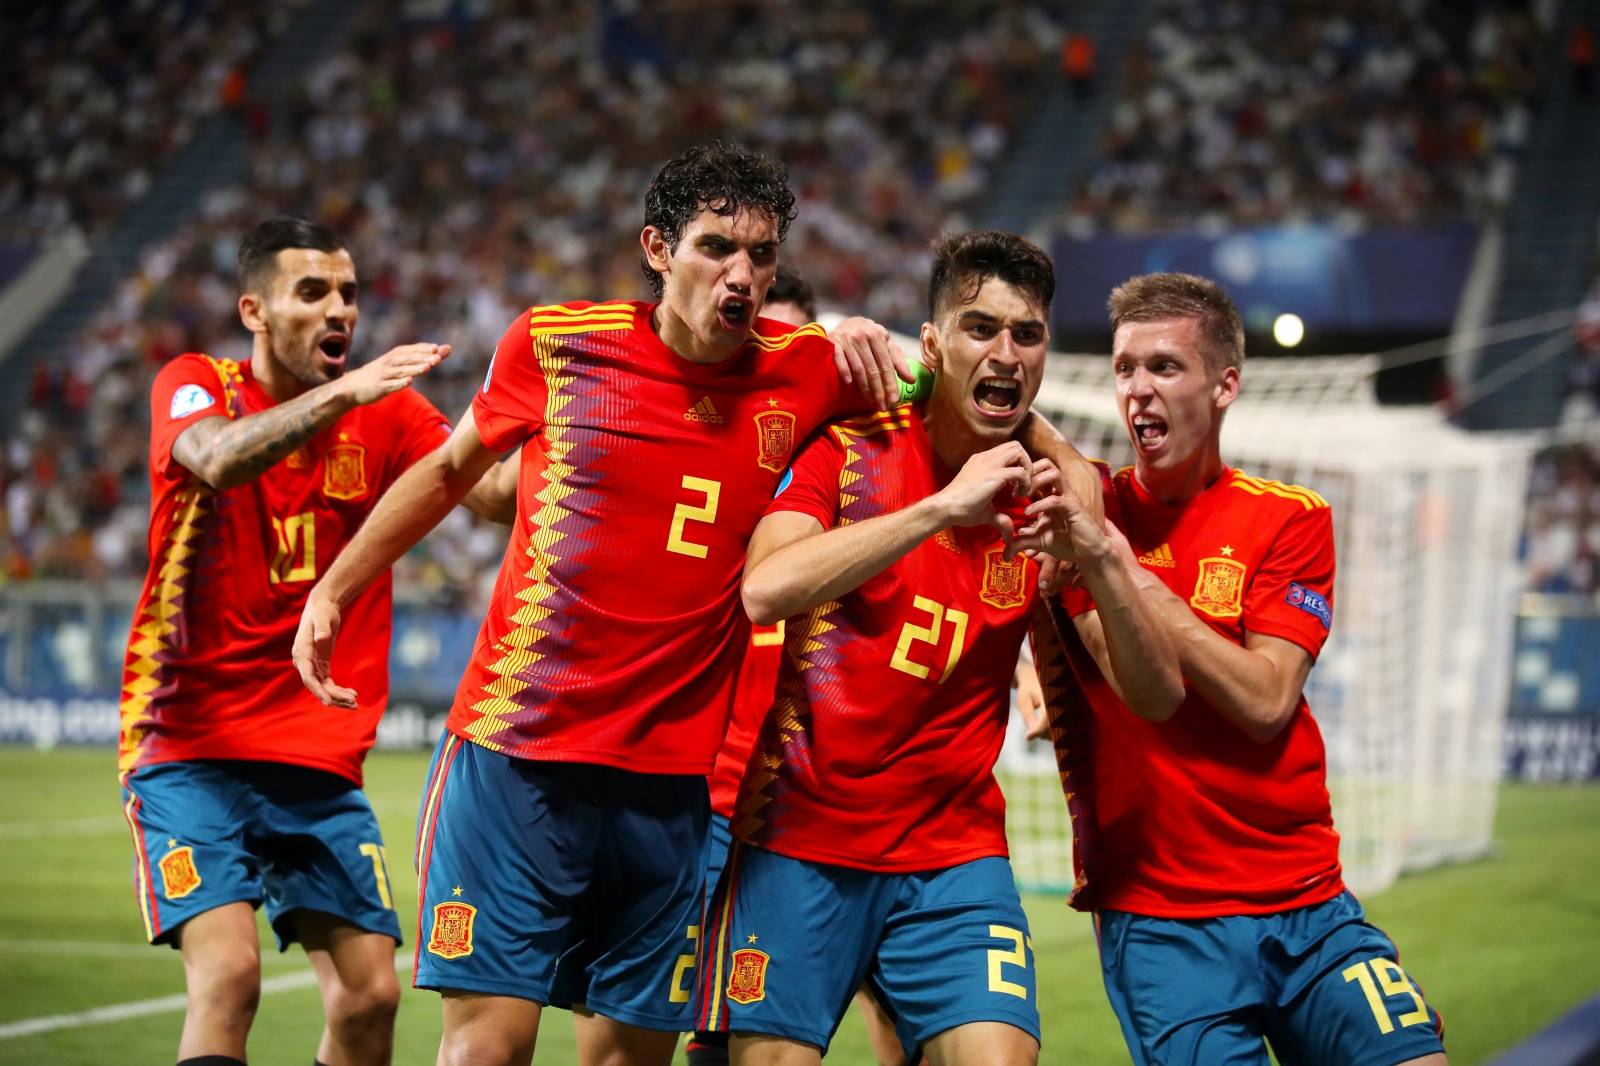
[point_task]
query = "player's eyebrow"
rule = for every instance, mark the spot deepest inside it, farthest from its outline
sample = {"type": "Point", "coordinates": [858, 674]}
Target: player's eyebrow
{"type": "Point", "coordinates": [970, 317]}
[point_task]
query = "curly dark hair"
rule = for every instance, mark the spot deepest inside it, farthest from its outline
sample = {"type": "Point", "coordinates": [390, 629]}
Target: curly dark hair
{"type": "Point", "coordinates": [723, 178]}
{"type": "Point", "coordinates": [963, 262]}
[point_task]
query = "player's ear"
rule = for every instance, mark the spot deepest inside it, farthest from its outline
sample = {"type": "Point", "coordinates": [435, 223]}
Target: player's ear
{"type": "Point", "coordinates": [1226, 390]}
{"type": "Point", "coordinates": [252, 312]}
{"type": "Point", "coordinates": [656, 250]}
{"type": "Point", "coordinates": [931, 354]}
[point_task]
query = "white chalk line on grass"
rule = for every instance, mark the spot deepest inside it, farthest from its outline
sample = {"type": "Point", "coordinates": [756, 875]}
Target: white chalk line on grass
{"type": "Point", "coordinates": [118, 1012]}
{"type": "Point", "coordinates": [102, 949]}
{"type": "Point", "coordinates": [63, 828]}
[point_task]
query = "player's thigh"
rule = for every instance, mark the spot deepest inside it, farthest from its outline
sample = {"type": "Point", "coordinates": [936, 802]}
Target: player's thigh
{"type": "Point", "coordinates": [486, 1030]}
{"type": "Point", "coordinates": [189, 842]}
{"type": "Point", "coordinates": [982, 1044]}
{"type": "Point", "coordinates": [882, 1036]}
{"type": "Point", "coordinates": [505, 862]}
{"type": "Point", "coordinates": [322, 851]}
{"type": "Point", "coordinates": [354, 967]}
{"type": "Point", "coordinates": [605, 1041]}
{"type": "Point", "coordinates": [956, 950]}
{"type": "Point", "coordinates": [222, 954]}
{"type": "Point", "coordinates": [1345, 997]}
{"type": "Point", "coordinates": [786, 945]}
{"type": "Point", "coordinates": [1185, 992]}
{"type": "Point", "coordinates": [759, 1049]}
{"type": "Point", "coordinates": [650, 876]}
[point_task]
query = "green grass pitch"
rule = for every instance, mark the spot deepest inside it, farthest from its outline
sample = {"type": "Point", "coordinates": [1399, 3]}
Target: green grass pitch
{"type": "Point", "coordinates": [1502, 946]}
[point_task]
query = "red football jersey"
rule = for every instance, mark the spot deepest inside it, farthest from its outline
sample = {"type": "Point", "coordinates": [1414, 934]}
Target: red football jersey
{"type": "Point", "coordinates": [208, 673]}
{"type": "Point", "coordinates": [758, 679]}
{"type": "Point", "coordinates": [893, 701]}
{"type": "Point", "coordinates": [615, 633]}
{"type": "Point", "coordinates": [1190, 818]}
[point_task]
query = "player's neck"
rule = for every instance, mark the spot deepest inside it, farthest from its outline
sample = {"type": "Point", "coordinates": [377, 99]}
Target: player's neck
{"type": "Point", "coordinates": [272, 376]}
{"type": "Point", "coordinates": [1182, 483]}
{"type": "Point", "coordinates": [676, 334]}
{"type": "Point", "coordinates": [952, 442]}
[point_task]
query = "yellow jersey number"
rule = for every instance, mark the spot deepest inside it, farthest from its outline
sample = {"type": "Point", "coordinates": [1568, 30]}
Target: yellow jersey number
{"type": "Point", "coordinates": [1394, 982]}
{"type": "Point", "coordinates": [296, 557]}
{"type": "Point", "coordinates": [704, 511]}
{"type": "Point", "coordinates": [933, 633]}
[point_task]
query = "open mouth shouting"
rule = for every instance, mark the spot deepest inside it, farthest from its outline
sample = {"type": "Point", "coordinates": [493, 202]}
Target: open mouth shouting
{"type": "Point", "coordinates": [1149, 432]}
{"type": "Point", "coordinates": [334, 346]}
{"type": "Point", "coordinates": [736, 313]}
{"type": "Point", "coordinates": [997, 397]}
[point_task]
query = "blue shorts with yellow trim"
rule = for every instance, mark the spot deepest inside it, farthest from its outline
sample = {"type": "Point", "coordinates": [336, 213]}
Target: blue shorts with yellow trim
{"type": "Point", "coordinates": [789, 942]}
{"type": "Point", "coordinates": [721, 840]}
{"type": "Point", "coordinates": [1320, 984]}
{"type": "Point", "coordinates": [216, 831]}
{"type": "Point", "coordinates": [561, 883]}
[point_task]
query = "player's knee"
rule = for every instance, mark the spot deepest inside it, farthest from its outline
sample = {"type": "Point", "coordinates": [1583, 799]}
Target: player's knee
{"type": "Point", "coordinates": [483, 1045]}
{"type": "Point", "coordinates": [227, 983]}
{"type": "Point", "coordinates": [368, 1007]}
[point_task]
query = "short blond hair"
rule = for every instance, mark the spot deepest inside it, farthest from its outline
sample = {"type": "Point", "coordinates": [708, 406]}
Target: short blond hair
{"type": "Point", "coordinates": [1159, 297]}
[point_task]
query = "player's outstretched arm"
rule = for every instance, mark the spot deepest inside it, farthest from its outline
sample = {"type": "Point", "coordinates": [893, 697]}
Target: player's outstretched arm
{"type": "Point", "coordinates": [225, 452]}
{"type": "Point", "coordinates": [793, 565]}
{"type": "Point", "coordinates": [1124, 632]}
{"type": "Point", "coordinates": [414, 504]}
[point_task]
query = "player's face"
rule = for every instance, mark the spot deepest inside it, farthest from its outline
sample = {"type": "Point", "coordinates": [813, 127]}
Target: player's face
{"type": "Point", "coordinates": [1171, 404]}
{"type": "Point", "coordinates": [990, 356]}
{"type": "Point", "coordinates": [717, 278]}
{"type": "Point", "coordinates": [307, 313]}
{"type": "Point", "coordinates": [784, 311]}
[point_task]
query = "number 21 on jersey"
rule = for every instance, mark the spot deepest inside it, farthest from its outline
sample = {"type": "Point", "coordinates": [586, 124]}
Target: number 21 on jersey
{"type": "Point", "coordinates": [912, 634]}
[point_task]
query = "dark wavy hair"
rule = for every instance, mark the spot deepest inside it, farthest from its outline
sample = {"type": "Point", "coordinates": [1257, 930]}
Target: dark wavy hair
{"type": "Point", "coordinates": [963, 262]}
{"type": "Point", "coordinates": [790, 288]}
{"type": "Point", "coordinates": [258, 251]}
{"type": "Point", "coordinates": [723, 178]}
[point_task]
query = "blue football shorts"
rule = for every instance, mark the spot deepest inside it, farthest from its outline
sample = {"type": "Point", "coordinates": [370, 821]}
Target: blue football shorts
{"type": "Point", "coordinates": [217, 831]}
{"type": "Point", "coordinates": [1319, 983]}
{"type": "Point", "coordinates": [789, 941]}
{"type": "Point", "coordinates": [561, 883]}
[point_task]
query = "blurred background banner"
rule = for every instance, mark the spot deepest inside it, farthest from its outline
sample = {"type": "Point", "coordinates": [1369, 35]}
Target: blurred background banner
{"type": "Point", "coordinates": [1385, 280]}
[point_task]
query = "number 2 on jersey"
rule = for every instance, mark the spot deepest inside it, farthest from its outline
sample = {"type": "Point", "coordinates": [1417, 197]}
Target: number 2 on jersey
{"type": "Point", "coordinates": [297, 536]}
{"type": "Point", "coordinates": [911, 634]}
{"type": "Point", "coordinates": [688, 512]}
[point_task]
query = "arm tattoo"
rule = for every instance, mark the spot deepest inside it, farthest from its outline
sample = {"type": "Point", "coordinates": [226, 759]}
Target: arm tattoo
{"type": "Point", "coordinates": [231, 453]}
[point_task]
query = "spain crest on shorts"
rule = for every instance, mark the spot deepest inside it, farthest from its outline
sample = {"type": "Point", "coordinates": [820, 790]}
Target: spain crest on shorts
{"type": "Point", "coordinates": [747, 980]}
{"type": "Point", "coordinates": [452, 930]}
{"type": "Point", "coordinates": [774, 439]}
{"type": "Point", "coordinates": [1004, 582]}
{"type": "Point", "coordinates": [1219, 590]}
{"type": "Point", "coordinates": [344, 471]}
{"type": "Point", "coordinates": [179, 877]}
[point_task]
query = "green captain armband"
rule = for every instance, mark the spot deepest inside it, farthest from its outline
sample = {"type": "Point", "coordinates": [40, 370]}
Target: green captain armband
{"type": "Point", "coordinates": [920, 389]}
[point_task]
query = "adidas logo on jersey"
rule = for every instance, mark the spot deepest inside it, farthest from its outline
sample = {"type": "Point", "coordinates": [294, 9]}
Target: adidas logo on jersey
{"type": "Point", "coordinates": [704, 411]}
{"type": "Point", "coordinates": [1161, 556]}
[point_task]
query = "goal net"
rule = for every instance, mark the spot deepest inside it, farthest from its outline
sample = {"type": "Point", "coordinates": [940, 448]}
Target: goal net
{"type": "Point", "coordinates": [1411, 689]}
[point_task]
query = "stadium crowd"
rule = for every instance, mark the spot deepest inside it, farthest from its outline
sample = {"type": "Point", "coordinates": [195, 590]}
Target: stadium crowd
{"type": "Point", "coordinates": [101, 93]}
{"type": "Point", "coordinates": [888, 140]}
{"type": "Point", "coordinates": [1562, 545]}
{"type": "Point", "coordinates": [1248, 112]}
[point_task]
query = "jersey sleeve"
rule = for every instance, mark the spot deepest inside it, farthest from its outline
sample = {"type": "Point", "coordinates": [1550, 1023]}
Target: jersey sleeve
{"type": "Point", "coordinates": [510, 406]}
{"type": "Point", "coordinates": [1292, 594]}
{"type": "Point", "coordinates": [185, 391]}
{"type": "Point", "coordinates": [811, 484]}
{"type": "Point", "coordinates": [419, 429]}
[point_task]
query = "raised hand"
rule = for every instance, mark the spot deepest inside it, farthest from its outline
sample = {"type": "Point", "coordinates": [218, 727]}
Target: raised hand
{"type": "Point", "coordinates": [391, 371]}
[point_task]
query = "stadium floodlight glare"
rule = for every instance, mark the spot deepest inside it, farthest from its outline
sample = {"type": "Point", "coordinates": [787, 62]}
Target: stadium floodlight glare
{"type": "Point", "coordinates": [1288, 330]}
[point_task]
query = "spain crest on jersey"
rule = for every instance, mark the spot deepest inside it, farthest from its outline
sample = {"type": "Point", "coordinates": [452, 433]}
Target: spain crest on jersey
{"type": "Point", "coordinates": [747, 980]}
{"type": "Point", "coordinates": [344, 471]}
{"type": "Point", "coordinates": [452, 930]}
{"type": "Point", "coordinates": [1004, 583]}
{"type": "Point", "coordinates": [1219, 590]}
{"type": "Point", "coordinates": [178, 874]}
{"type": "Point", "coordinates": [774, 439]}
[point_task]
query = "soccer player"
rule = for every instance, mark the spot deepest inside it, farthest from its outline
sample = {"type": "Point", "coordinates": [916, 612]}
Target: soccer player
{"type": "Point", "coordinates": [870, 829]}
{"type": "Point", "coordinates": [238, 786]}
{"type": "Point", "coordinates": [562, 835]}
{"type": "Point", "coordinates": [1206, 841]}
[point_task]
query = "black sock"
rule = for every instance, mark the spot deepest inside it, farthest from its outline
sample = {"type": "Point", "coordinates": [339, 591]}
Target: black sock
{"type": "Point", "coordinates": [708, 1049]}
{"type": "Point", "coordinates": [211, 1060]}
